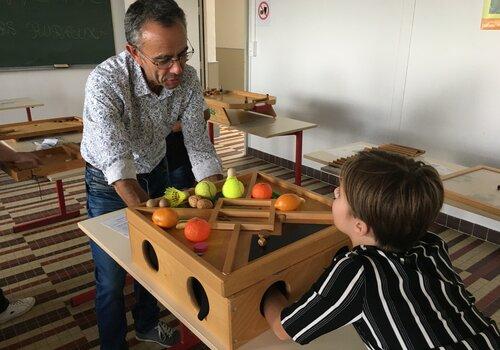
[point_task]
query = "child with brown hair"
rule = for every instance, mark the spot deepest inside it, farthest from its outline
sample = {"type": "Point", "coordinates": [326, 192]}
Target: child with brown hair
{"type": "Point", "coordinates": [397, 286]}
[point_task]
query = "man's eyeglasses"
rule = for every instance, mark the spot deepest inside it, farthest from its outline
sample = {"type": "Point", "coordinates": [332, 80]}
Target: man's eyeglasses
{"type": "Point", "coordinates": [168, 62]}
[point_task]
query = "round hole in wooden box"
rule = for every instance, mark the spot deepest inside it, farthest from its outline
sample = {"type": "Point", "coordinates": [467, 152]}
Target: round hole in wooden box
{"type": "Point", "coordinates": [198, 297]}
{"type": "Point", "coordinates": [282, 287]}
{"type": "Point", "coordinates": [150, 255]}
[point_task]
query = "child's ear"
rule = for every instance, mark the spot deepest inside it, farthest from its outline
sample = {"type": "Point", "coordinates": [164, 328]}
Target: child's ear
{"type": "Point", "coordinates": [362, 228]}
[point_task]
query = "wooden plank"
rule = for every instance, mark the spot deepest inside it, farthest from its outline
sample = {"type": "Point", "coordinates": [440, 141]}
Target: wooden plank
{"type": "Point", "coordinates": [231, 250]}
{"type": "Point", "coordinates": [250, 185]}
{"type": "Point", "coordinates": [44, 127]}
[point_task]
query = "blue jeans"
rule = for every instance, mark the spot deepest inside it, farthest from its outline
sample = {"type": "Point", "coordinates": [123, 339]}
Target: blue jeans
{"type": "Point", "coordinates": [182, 177]}
{"type": "Point", "coordinates": [110, 277]}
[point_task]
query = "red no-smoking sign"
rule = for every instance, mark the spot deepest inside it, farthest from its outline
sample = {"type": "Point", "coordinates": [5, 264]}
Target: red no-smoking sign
{"type": "Point", "coordinates": [263, 10]}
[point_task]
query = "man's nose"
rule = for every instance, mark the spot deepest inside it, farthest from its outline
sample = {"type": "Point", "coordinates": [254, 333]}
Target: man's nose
{"type": "Point", "coordinates": [176, 68]}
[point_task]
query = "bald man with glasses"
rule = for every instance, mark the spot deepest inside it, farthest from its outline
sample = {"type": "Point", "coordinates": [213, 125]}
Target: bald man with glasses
{"type": "Point", "coordinates": [132, 102]}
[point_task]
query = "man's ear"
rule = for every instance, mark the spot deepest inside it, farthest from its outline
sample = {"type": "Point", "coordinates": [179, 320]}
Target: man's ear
{"type": "Point", "coordinates": [133, 52]}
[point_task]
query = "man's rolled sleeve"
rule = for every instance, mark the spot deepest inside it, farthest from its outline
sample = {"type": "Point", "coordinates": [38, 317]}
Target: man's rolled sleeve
{"type": "Point", "coordinates": [105, 143]}
{"type": "Point", "coordinates": [120, 170]}
{"type": "Point", "coordinates": [205, 169]}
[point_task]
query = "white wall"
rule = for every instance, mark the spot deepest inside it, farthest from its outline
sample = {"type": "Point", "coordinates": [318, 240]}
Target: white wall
{"type": "Point", "coordinates": [62, 91]}
{"type": "Point", "coordinates": [416, 72]}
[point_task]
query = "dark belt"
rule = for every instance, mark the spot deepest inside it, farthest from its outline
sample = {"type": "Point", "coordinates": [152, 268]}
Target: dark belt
{"type": "Point", "coordinates": [88, 165]}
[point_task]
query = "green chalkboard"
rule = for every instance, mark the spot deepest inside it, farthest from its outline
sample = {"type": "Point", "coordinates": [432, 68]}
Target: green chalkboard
{"type": "Point", "coordinates": [46, 32]}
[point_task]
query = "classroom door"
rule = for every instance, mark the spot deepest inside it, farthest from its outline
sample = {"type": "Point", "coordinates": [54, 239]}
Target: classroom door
{"type": "Point", "coordinates": [226, 28]}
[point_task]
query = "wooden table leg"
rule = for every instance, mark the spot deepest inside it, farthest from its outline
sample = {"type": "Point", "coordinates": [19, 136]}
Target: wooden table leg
{"type": "Point", "coordinates": [298, 158]}
{"type": "Point", "coordinates": [63, 214]}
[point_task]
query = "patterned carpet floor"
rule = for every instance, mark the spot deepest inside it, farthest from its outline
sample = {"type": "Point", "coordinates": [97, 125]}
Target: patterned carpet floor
{"type": "Point", "coordinates": [53, 263]}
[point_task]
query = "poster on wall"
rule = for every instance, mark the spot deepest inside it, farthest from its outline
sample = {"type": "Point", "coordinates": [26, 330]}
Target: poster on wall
{"type": "Point", "coordinates": [491, 15]}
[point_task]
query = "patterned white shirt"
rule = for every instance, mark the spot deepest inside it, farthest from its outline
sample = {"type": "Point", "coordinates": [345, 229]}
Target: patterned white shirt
{"type": "Point", "coordinates": [125, 123]}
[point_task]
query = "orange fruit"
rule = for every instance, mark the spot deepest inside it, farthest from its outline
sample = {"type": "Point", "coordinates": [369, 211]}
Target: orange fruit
{"type": "Point", "coordinates": [262, 190]}
{"type": "Point", "coordinates": [197, 230]}
{"type": "Point", "coordinates": [165, 217]}
{"type": "Point", "coordinates": [288, 202]}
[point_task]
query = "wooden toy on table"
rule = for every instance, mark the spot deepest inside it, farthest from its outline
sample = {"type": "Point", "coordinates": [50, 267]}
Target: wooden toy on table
{"type": "Point", "coordinates": [53, 160]}
{"type": "Point", "coordinates": [225, 285]}
{"type": "Point", "coordinates": [220, 101]}
{"type": "Point", "coordinates": [476, 187]}
{"type": "Point", "coordinates": [389, 147]}
{"type": "Point", "coordinates": [43, 127]}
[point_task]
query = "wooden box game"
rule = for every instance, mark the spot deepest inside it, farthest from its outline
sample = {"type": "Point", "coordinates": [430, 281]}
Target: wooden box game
{"type": "Point", "coordinates": [223, 288]}
{"type": "Point", "coordinates": [39, 128]}
{"type": "Point", "coordinates": [221, 101]}
{"type": "Point", "coordinates": [54, 160]}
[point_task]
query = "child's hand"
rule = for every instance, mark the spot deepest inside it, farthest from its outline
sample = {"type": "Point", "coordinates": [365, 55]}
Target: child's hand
{"type": "Point", "coordinates": [273, 302]}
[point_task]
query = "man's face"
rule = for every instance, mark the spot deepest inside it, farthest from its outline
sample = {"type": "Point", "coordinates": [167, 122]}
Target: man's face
{"type": "Point", "coordinates": [159, 43]}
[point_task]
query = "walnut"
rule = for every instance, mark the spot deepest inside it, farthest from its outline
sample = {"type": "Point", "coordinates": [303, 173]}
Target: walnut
{"type": "Point", "coordinates": [204, 204]}
{"type": "Point", "coordinates": [193, 200]}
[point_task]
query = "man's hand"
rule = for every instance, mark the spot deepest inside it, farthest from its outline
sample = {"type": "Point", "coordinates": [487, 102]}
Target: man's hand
{"type": "Point", "coordinates": [131, 192]}
{"type": "Point", "coordinates": [26, 160]}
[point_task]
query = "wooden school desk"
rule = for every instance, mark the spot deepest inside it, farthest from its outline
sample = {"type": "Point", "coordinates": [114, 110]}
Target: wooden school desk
{"type": "Point", "coordinates": [266, 126]}
{"type": "Point", "coordinates": [118, 247]}
{"type": "Point", "coordinates": [29, 146]}
{"type": "Point", "coordinates": [325, 157]}
{"type": "Point", "coordinates": [23, 102]}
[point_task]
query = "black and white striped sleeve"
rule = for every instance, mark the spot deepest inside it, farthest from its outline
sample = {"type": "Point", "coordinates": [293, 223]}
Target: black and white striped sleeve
{"type": "Point", "coordinates": [335, 300]}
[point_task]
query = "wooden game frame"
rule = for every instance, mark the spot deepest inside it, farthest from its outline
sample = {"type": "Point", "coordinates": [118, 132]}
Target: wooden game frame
{"type": "Point", "coordinates": [260, 103]}
{"type": "Point", "coordinates": [467, 200]}
{"type": "Point", "coordinates": [234, 294]}
{"type": "Point", "coordinates": [54, 160]}
{"type": "Point", "coordinates": [43, 127]}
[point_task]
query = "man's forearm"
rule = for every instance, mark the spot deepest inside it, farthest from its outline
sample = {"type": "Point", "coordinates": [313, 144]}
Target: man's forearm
{"type": "Point", "coordinates": [130, 192]}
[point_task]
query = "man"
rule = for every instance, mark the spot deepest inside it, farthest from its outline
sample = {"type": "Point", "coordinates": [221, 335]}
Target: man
{"type": "Point", "coordinates": [10, 310]}
{"type": "Point", "coordinates": [132, 101]}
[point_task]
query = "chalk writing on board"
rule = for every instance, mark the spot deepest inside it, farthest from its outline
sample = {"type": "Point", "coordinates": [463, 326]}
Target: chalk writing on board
{"type": "Point", "coordinates": [7, 28]}
{"type": "Point", "coordinates": [50, 2]}
{"type": "Point", "coordinates": [55, 31]}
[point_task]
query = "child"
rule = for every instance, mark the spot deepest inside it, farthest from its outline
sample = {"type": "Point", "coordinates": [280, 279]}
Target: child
{"type": "Point", "coordinates": [397, 286]}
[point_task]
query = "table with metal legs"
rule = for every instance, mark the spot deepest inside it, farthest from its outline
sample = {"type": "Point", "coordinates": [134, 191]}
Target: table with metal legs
{"type": "Point", "coordinates": [266, 126]}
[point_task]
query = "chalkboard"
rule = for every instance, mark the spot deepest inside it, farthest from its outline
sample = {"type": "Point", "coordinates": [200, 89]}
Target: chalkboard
{"type": "Point", "coordinates": [47, 32]}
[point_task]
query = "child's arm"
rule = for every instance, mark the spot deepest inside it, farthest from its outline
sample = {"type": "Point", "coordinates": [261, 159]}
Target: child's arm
{"type": "Point", "coordinates": [274, 303]}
